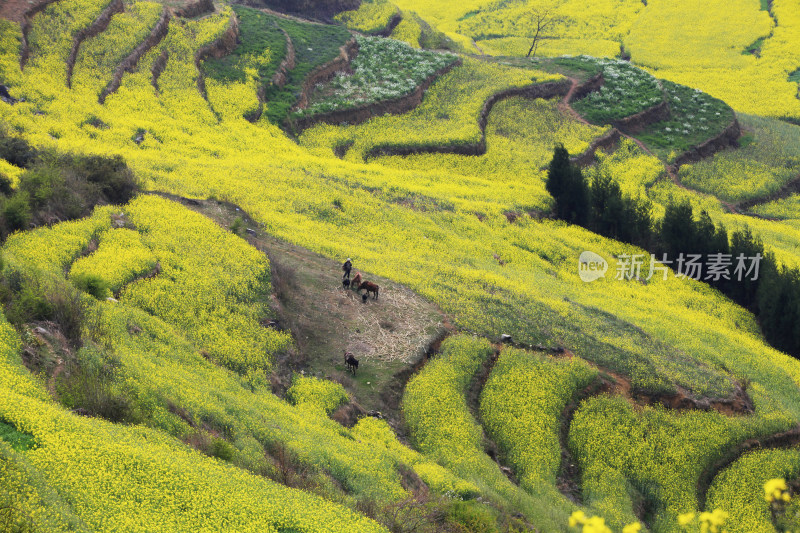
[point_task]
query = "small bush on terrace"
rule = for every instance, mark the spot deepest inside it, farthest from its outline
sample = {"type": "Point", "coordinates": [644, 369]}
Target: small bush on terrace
{"type": "Point", "coordinates": [60, 187]}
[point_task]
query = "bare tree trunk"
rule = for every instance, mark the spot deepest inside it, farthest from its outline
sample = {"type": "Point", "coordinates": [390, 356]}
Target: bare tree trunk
{"type": "Point", "coordinates": [541, 24]}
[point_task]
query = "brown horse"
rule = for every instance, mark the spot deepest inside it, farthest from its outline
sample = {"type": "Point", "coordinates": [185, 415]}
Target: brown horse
{"type": "Point", "coordinates": [356, 281]}
{"type": "Point", "coordinates": [370, 287]}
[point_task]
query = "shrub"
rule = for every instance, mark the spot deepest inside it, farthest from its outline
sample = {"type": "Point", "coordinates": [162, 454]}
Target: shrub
{"type": "Point", "coordinates": [222, 449]}
{"type": "Point", "coordinates": [18, 440]}
{"type": "Point", "coordinates": [93, 284]}
{"type": "Point", "coordinates": [17, 212]}
{"type": "Point", "coordinates": [5, 185]}
{"type": "Point", "coordinates": [472, 516]}
{"type": "Point", "coordinates": [88, 383]}
{"type": "Point", "coordinates": [66, 187]}
{"type": "Point", "coordinates": [27, 303]}
{"type": "Point", "coordinates": [237, 225]}
{"type": "Point", "coordinates": [16, 150]}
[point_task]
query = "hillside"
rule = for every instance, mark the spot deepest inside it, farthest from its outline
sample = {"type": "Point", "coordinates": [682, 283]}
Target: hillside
{"type": "Point", "coordinates": [182, 181]}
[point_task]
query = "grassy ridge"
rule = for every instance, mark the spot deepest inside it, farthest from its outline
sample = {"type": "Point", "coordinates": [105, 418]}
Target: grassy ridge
{"type": "Point", "coordinates": [695, 118]}
{"type": "Point", "coordinates": [627, 91]}
{"type": "Point", "coordinates": [384, 69]}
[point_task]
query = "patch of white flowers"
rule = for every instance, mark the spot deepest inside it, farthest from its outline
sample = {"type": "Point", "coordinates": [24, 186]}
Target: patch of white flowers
{"type": "Point", "coordinates": [625, 85]}
{"type": "Point", "coordinates": [384, 69]}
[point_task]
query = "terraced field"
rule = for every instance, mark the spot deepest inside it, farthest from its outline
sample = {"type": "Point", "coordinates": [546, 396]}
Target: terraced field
{"type": "Point", "coordinates": [202, 385]}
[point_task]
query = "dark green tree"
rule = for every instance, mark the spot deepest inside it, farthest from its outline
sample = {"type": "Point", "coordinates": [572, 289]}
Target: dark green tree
{"type": "Point", "coordinates": [677, 230]}
{"type": "Point", "coordinates": [744, 292]}
{"type": "Point", "coordinates": [568, 187]}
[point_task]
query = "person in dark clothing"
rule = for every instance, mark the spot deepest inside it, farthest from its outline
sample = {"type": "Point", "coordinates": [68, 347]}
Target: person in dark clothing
{"type": "Point", "coordinates": [347, 266]}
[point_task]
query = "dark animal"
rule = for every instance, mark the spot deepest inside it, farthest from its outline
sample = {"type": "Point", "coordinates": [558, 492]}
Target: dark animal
{"type": "Point", "coordinates": [346, 267]}
{"type": "Point", "coordinates": [370, 288]}
{"type": "Point", "coordinates": [6, 96]}
{"type": "Point", "coordinates": [364, 298]}
{"type": "Point", "coordinates": [346, 283]}
{"type": "Point", "coordinates": [356, 280]}
{"type": "Point", "coordinates": [351, 362]}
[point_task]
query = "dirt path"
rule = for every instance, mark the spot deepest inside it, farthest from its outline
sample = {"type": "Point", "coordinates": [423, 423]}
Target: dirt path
{"type": "Point", "coordinates": [785, 439]}
{"type": "Point", "coordinates": [565, 107]}
{"type": "Point", "coordinates": [790, 189]}
{"type": "Point", "coordinates": [391, 336]}
{"type": "Point", "coordinates": [16, 10]}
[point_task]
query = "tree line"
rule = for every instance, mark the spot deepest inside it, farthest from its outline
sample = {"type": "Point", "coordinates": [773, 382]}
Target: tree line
{"type": "Point", "coordinates": [600, 206]}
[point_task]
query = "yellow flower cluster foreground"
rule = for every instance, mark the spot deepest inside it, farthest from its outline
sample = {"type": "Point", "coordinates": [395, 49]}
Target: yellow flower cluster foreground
{"type": "Point", "coordinates": [776, 490]}
{"type": "Point", "coordinates": [710, 522]}
{"type": "Point", "coordinates": [597, 524]}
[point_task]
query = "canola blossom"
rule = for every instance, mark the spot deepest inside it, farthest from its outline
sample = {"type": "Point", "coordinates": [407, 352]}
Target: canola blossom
{"type": "Point", "coordinates": [455, 230]}
{"type": "Point", "coordinates": [372, 16]}
{"type": "Point", "coordinates": [11, 172]}
{"type": "Point", "coordinates": [747, 487]}
{"type": "Point", "coordinates": [142, 480]}
{"type": "Point", "coordinates": [435, 408]}
{"type": "Point", "coordinates": [734, 51]}
{"type": "Point", "coordinates": [315, 392]}
{"type": "Point", "coordinates": [617, 445]}
{"type": "Point", "coordinates": [521, 405]}
{"type": "Point", "coordinates": [163, 369]}
{"type": "Point", "coordinates": [121, 256]}
{"type": "Point", "coordinates": [447, 117]}
{"type": "Point", "coordinates": [409, 31]}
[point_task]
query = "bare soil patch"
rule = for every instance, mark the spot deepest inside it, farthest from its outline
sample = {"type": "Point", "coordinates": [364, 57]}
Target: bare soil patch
{"type": "Point", "coordinates": [391, 336]}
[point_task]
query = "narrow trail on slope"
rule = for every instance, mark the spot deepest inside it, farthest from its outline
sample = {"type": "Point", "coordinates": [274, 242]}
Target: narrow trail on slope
{"type": "Point", "coordinates": [784, 439]}
{"type": "Point", "coordinates": [94, 29]}
{"type": "Point", "coordinates": [11, 10]}
{"type": "Point", "coordinates": [130, 63]}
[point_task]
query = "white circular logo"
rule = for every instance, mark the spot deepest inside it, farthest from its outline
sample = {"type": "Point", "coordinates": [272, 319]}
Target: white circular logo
{"type": "Point", "coordinates": [591, 266]}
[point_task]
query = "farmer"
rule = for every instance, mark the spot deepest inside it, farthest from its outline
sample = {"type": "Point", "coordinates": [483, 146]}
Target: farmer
{"type": "Point", "coordinates": [347, 266]}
